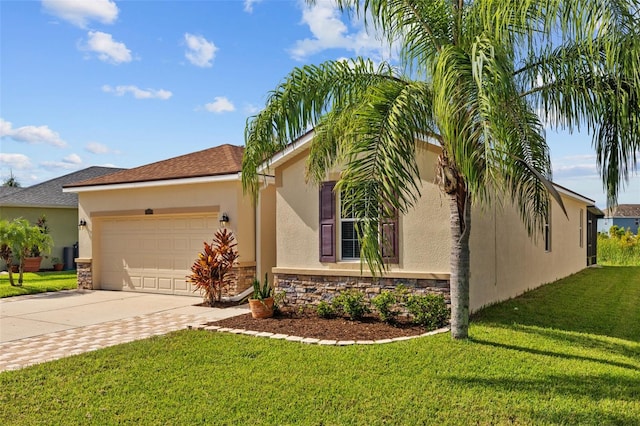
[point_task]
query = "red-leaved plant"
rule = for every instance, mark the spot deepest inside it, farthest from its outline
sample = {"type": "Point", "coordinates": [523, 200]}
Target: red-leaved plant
{"type": "Point", "coordinates": [213, 269]}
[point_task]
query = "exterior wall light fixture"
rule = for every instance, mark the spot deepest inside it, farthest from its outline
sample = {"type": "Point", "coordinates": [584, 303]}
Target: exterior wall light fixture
{"type": "Point", "coordinates": [224, 220]}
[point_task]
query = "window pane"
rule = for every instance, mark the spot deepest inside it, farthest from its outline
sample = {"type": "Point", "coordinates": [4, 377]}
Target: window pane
{"type": "Point", "coordinates": [349, 241]}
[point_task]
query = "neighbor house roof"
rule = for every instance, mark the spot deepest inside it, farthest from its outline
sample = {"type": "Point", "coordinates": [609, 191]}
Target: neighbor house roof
{"type": "Point", "coordinates": [220, 160]}
{"type": "Point", "coordinates": [49, 193]}
{"type": "Point", "coordinates": [623, 210]}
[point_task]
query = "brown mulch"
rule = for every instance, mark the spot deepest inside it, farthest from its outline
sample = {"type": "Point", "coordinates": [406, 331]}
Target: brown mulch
{"type": "Point", "coordinates": [308, 324]}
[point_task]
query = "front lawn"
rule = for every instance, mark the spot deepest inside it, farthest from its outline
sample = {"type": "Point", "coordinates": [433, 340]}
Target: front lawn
{"type": "Point", "coordinates": [568, 353]}
{"type": "Point", "coordinates": [38, 282]}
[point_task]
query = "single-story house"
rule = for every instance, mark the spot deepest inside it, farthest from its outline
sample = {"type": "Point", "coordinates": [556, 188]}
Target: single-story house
{"type": "Point", "coordinates": [59, 208]}
{"type": "Point", "coordinates": [145, 226]}
{"type": "Point", "coordinates": [318, 256]}
{"type": "Point", "coordinates": [625, 216]}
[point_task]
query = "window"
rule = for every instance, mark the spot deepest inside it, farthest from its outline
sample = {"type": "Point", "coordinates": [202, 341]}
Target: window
{"type": "Point", "coordinates": [349, 244]}
{"type": "Point", "coordinates": [343, 228]}
{"type": "Point", "coordinates": [581, 228]}
{"type": "Point", "coordinates": [547, 230]}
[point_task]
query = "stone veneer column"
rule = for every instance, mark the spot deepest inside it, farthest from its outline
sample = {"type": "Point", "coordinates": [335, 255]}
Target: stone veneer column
{"type": "Point", "coordinates": [244, 280]}
{"type": "Point", "coordinates": [85, 274]}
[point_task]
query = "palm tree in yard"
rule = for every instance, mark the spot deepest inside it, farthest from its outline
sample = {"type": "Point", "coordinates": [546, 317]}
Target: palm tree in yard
{"type": "Point", "coordinates": [475, 78]}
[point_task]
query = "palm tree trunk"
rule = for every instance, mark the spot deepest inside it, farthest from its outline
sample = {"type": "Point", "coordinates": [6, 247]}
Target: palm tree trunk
{"type": "Point", "coordinates": [460, 211]}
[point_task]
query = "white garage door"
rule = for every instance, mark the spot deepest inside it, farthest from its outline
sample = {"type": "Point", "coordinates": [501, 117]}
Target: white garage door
{"type": "Point", "coordinates": [152, 253]}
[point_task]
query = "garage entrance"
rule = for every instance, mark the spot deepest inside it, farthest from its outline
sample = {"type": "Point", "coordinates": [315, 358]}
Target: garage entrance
{"type": "Point", "coordinates": [152, 253]}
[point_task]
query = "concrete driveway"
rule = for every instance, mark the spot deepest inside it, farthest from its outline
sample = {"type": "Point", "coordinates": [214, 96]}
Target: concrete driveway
{"type": "Point", "coordinates": [48, 326]}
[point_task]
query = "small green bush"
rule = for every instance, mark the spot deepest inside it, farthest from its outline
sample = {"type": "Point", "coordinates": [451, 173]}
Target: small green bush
{"type": "Point", "coordinates": [352, 303]}
{"type": "Point", "coordinates": [325, 310]}
{"type": "Point", "coordinates": [619, 248]}
{"type": "Point", "coordinates": [429, 311]}
{"type": "Point", "coordinates": [384, 304]}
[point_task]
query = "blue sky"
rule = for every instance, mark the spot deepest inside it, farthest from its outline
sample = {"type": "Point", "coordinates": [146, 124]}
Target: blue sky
{"type": "Point", "coordinates": [128, 83]}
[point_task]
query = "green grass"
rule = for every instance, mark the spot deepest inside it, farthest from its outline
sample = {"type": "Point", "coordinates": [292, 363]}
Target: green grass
{"type": "Point", "coordinates": [38, 282]}
{"type": "Point", "coordinates": [569, 354]}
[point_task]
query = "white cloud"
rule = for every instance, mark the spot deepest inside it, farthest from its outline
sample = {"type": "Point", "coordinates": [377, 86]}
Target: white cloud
{"type": "Point", "coordinates": [70, 162]}
{"type": "Point", "coordinates": [107, 48]}
{"type": "Point", "coordinates": [72, 159]}
{"type": "Point", "coordinates": [80, 12]}
{"type": "Point", "coordinates": [31, 134]}
{"type": "Point", "coordinates": [137, 92]}
{"type": "Point", "coordinates": [97, 148]}
{"type": "Point", "coordinates": [330, 32]}
{"type": "Point", "coordinates": [15, 161]}
{"type": "Point", "coordinates": [248, 5]}
{"type": "Point", "coordinates": [219, 105]}
{"type": "Point", "coordinates": [251, 109]}
{"type": "Point", "coordinates": [200, 52]}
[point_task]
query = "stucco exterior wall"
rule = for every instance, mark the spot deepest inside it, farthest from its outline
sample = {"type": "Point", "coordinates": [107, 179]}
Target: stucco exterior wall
{"type": "Point", "coordinates": [506, 262]}
{"type": "Point", "coordinates": [220, 197]}
{"type": "Point", "coordinates": [62, 222]}
{"type": "Point", "coordinates": [424, 243]}
{"type": "Point", "coordinates": [266, 231]}
{"type": "Point", "coordinates": [215, 197]}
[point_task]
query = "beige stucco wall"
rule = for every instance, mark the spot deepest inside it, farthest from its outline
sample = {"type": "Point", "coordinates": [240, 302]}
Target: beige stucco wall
{"type": "Point", "coordinates": [214, 197]}
{"type": "Point", "coordinates": [266, 231]}
{"type": "Point", "coordinates": [506, 262]}
{"type": "Point", "coordinates": [424, 242]}
{"type": "Point", "coordinates": [62, 222]}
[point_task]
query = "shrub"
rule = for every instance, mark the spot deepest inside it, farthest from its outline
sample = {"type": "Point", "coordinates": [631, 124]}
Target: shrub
{"type": "Point", "coordinates": [384, 303]}
{"type": "Point", "coordinates": [387, 300]}
{"type": "Point", "coordinates": [429, 311]}
{"type": "Point", "coordinates": [325, 310]}
{"type": "Point", "coordinates": [213, 269]}
{"type": "Point", "coordinates": [352, 303]}
{"type": "Point", "coordinates": [619, 248]}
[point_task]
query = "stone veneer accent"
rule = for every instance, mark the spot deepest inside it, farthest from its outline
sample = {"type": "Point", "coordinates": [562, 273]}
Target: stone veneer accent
{"type": "Point", "coordinates": [303, 290]}
{"type": "Point", "coordinates": [85, 276]}
{"type": "Point", "coordinates": [244, 280]}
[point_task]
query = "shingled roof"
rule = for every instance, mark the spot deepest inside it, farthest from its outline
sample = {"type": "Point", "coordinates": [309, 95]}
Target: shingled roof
{"type": "Point", "coordinates": [623, 210]}
{"type": "Point", "coordinates": [220, 160]}
{"type": "Point", "coordinates": [49, 193]}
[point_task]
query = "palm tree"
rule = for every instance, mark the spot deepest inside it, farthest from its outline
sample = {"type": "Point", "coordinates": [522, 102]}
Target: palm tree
{"type": "Point", "coordinates": [476, 77]}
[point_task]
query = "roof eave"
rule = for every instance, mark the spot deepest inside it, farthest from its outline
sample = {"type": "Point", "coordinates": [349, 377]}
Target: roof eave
{"type": "Point", "coordinates": [155, 183]}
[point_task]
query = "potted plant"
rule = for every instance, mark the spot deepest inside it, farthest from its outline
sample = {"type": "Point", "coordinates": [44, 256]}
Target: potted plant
{"type": "Point", "coordinates": [261, 302]}
{"type": "Point", "coordinates": [57, 265]}
{"type": "Point", "coordinates": [32, 258]}
{"type": "Point", "coordinates": [17, 240]}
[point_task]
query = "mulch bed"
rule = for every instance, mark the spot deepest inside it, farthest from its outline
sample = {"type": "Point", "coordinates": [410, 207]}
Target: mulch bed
{"type": "Point", "coordinates": [308, 324]}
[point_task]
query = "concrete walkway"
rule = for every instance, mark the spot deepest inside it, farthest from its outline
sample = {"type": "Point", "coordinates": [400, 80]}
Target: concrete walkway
{"type": "Point", "coordinates": [47, 326]}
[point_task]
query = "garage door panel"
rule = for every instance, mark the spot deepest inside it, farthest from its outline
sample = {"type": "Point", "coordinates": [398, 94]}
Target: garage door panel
{"type": "Point", "coordinates": [152, 254]}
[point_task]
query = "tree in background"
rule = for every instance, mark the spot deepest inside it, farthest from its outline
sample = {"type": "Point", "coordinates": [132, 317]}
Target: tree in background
{"type": "Point", "coordinates": [479, 78]}
{"type": "Point", "coordinates": [11, 181]}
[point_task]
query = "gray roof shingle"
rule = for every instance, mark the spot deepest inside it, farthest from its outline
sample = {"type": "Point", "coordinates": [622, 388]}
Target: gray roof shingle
{"type": "Point", "coordinates": [49, 193]}
{"type": "Point", "coordinates": [623, 210]}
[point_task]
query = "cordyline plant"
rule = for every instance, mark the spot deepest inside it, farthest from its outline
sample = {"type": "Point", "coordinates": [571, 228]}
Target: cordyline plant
{"type": "Point", "coordinates": [213, 269]}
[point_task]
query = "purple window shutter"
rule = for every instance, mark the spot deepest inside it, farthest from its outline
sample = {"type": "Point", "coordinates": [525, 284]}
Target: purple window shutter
{"type": "Point", "coordinates": [327, 222]}
{"type": "Point", "coordinates": [390, 251]}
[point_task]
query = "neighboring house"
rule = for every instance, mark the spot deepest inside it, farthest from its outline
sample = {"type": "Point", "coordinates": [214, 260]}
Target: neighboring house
{"type": "Point", "coordinates": [47, 198]}
{"type": "Point", "coordinates": [145, 226]}
{"type": "Point", "coordinates": [317, 252]}
{"type": "Point", "coordinates": [625, 216]}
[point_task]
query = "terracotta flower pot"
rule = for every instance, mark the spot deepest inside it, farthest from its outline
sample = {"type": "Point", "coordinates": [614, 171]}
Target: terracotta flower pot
{"type": "Point", "coordinates": [261, 308]}
{"type": "Point", "coordinates": [58, 266]}
{"type": "Point", "coordinates": [32, 264]}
